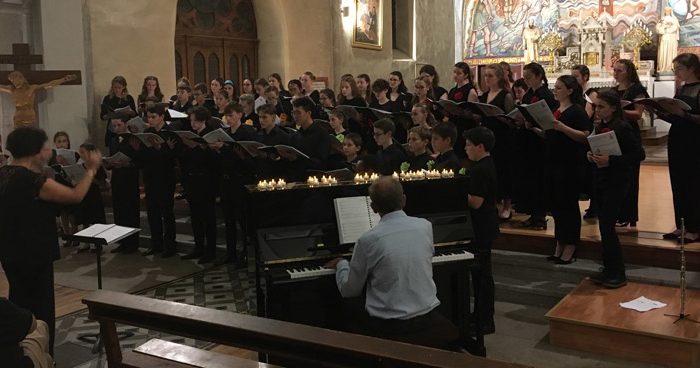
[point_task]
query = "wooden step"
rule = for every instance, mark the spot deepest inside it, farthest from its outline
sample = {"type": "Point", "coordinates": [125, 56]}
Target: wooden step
{"type": "Point", "coordinates": [647, 131]}
{"type": "Point", "coordinates": [655, 139]}
{"type": "Point", "coordinates": [591, 319]}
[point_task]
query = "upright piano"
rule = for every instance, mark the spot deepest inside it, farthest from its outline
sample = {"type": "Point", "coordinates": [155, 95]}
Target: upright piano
{"type": "Point", "coordinates": [296, 233]}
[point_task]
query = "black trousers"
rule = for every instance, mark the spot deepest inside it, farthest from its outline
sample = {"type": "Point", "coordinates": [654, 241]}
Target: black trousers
{"type": "Point", "coordinates": [684, 170]}
{"type": "Point", "coordinates": [630, 205]}
{"type": "Point", "coordinates": [201, 197]}
{"type": "Point", "coordinates": [484, 288]}
{"type": "Point", "coordinates": [564, 193]}
{"type": "Point", "coordinates": [159, 207]}
{"type": "Point", "coordinates": [233, 206]}
{"type": "Point", "coordinates": [611, 190]}
{"type": "Point", "coordinates": [431, 329]}
{"type": "Point", "coordinates": [31, 287]}
{"type": "Point", "coordinates": [125, 198]}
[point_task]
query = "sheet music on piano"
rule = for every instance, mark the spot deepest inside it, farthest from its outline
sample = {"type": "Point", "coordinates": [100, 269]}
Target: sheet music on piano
{"type": "Point", "coordinates": [355, 217]}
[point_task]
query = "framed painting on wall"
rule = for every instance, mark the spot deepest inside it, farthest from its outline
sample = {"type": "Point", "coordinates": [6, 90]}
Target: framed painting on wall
{"type": "Point", "coordinates": [367, 27]}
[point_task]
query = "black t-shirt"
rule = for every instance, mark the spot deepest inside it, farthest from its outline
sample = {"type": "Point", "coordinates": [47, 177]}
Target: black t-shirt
{"type": "Point", "coordinates": [419, 162]}
{"type": "Point", "coordinates": [28, 231]}
{"type": "Point", "coordinates": [252, 119]}
{"type": "Point", "coordinates": [390, 159]}
{"type": "Point", "coordinates": [483, 183]}
{"type": "Point", "coordinates": [14, 324]}
{"type": "Point", "coordinates": [449, 161]}
{"type": "Point", "coordinates": [390, 106]}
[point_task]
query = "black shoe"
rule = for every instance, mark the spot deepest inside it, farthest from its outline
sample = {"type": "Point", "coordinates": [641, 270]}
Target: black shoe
{"type": "Point", "coordinates": [615, 282]}
{"type": "Point", "coordinates": [192, 255]}
{"type": "Point", "coordinates": [553, 258]}
{"type": "Point", "coordinates": [571, 260]}
{"type": "Point", "coordinates": [600, 277]}
{"type": "Point", "coordinates": [671, 236]}
{"type": "Point", "coordinates": [225, 260]}
{"type": "Point", "coordinates": [206, 259]}
{"type": "Point", "coordinates": [168, 253]}
{"type": "Point", "coordinates": [486, 329]}
{"type": "Point", "coordinates": [152, 251]}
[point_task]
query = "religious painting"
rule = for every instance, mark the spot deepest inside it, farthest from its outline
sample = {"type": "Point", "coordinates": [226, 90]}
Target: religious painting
{"type": "Point", "coordinates": [367, 27]}
{"type": "Point", "coordinates": [492, 30]}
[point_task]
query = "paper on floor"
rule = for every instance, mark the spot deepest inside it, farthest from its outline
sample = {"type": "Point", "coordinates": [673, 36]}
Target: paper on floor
{"type": "Point", "coordinates": [642, 304]}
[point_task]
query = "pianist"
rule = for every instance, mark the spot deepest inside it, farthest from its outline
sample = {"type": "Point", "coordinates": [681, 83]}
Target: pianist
{"type": "Point", "coordinates": [394, 261]}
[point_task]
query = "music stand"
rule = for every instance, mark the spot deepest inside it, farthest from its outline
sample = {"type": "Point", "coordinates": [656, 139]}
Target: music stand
{"type": "Point", "coordinates": [682, 315]}
{"type": "Point", "coordinates": [99, 235]}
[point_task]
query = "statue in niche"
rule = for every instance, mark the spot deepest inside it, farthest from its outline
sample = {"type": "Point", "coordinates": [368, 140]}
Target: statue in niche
{"type": "Point", "coordinates": [668, 29]}
{"type": "Point", "coordinates": [24, 94]}
{"type": "Point", "coordinates": [531, 38]}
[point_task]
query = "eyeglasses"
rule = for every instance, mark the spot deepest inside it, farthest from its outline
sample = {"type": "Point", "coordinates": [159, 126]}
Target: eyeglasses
{"type": "Point", "coordinates": [379, 134]}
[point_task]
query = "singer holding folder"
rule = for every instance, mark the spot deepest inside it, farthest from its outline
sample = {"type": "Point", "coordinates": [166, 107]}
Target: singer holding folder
{"type": "Point", "coordinates": [28, 242]}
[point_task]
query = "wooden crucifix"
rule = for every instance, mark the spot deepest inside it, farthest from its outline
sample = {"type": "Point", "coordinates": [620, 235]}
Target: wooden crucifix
{"type": "Point", "coordinates": [25, 82]}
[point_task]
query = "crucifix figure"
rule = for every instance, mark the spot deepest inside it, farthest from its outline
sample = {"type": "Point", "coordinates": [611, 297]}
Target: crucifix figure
{"type": "Point", "coordinates": [25, 83]}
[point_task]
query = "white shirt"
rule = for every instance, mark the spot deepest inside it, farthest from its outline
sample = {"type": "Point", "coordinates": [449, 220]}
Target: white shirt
{"type": "Point", "coordinates": [394, 260]}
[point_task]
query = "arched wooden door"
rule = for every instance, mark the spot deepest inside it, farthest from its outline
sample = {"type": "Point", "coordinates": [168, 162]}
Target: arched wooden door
{"type": "Point", "coordinates": [216, 38]}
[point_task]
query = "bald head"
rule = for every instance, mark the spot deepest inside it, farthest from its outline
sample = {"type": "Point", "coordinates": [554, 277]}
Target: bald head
{"type": "Point", "coordinates": [387, 195]}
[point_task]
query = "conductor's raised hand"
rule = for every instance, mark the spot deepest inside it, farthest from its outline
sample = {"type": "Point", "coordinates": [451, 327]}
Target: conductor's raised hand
{"type": "Point", "coordinates": [93, 159]}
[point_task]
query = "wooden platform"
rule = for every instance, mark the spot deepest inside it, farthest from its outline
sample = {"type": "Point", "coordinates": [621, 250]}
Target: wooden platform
{"type": "Point", "coordinates": [591, 319]}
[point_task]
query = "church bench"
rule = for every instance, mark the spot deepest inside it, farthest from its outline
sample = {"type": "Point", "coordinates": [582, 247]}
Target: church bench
{"type": "Point", "coordinates": [293, 342]}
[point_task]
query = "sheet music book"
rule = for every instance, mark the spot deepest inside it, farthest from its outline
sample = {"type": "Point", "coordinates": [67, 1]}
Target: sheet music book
{"type": "Point", "coordinates": [116, 157]}
{"type": "Point", "coordinates": [145, 138]}
{"type": "Point", "coordinates": [485, 109]}
{"type": "Point", "coordinates": [284, 149]}
{"type": "Point", "coordinates": [190, 135]}
{"type": "Point", "coordinates": [174, 114]}
{"type": "Point", "coordinates": [138, 123]}
{"type": "Point", "coordinates": [354, 217]}
{"type": "Point", "coordinates": [452, 108]}
{"type": "Point", "coordinates": [109, 232]}
{"type": "Point", "coordinates": [218, 135]}
{"type": "Point", "coordinates": [605, 143]}
{"type": "Point", "coordinates": [252, 147]}
{"type": "Point", "coordinates": [69, 155]}
{"type": "Point", "coordinates": [74, 172]}
{"type": "Point", "coordinates": [339, 174]}
{"type": "Point", "coordinates": [659, 103]}
{"type": "Point", "coordinates": [538, 114]}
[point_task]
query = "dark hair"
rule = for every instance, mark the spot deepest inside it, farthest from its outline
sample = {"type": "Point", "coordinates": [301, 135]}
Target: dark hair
{"type": "Point", "coordinates": [296, 82]}
{"type": "Point", "coordinates": [305, 103]}
{"type": "Point", "coordinates": [272, 89]}
{"type": "Point", "coordinates": [267, 109]}
{"type": "Point", "coordinates": [261, 82]}
{"type": "Point", "coordinates": [220, 80]}
{"type": "Point", "coordinates": [368, 164]}
{"type": "Point", "coordinates": [156, 109]}
{"type": "Point", "coordinates": [88, 146]}
{"type": "Point", "coordinates": [247, 98]}
{"type": "Point", "coordinates": [583, 70]}
{"type": "Point", "coordinates": [330, 94]}
{"type": "Point", "coordinates": [353, 89]}
{"type": "Point", "coordinates": [481, 135]}
{"type": "Point", "coordinates": [157, 92]}
{"type": "Point", "coordinates": [279, 80]}
{"type": "Point", "coordinates": [520, 83]}
{"type": "Point", "coordinates": [185, 88]}
{"type": "Point", "coordinates": [423, 133]}
{"type": "Point", "coordinates": [430, 118]}
{"type": "Point", "coordinates": [465, 69]}
{"type": "Point", "coordinates": [386, 194]}
{"type": "Point", "coordinates": [183, 80]}
{"type": "Point", "coordinates": [632, 75]}
{"type": "Point", "coordinates": [380, 85]}
{"type": "Point", "coordinates": [430, 94]}
{"type": "Point", "coordinates": [612, 98]}
{"type": "Point", "coordinates": [402, 86]}
{"type": "Point", "coordinates": [311, 75]}
{"type": "Point", "coordinates": [689, 60]}
{"type": "Point", "coordinates": [340, 115]}
{"type": "Point", "coordinates": [26, 141]}
{"type": "Point", "coordinates": [446, 129]}
{"type": "Point", "coordinates": [201, 87]}
{"type": "Point", "coordinates": [223, 93]}
{"type": "Point", "coordinates": [537, 70]}
{"type": "Point", "coordinates": [355, 138]}
{"type": "Point", "coordinates": [576, 96]}
{"type": "Point", "coordinates": [345, 75]}
{"type": "Point", "coordinates": [232, 107]}
{"type": "Point", "coordinates": [430, 70]}
{"type": "Point", "coordinates": [61, 134]}
{"type": "Point", "coordinates": [385, 125]}
{"type": "Point", "coordinates": [200, 113]}
{"type": "Point", "coordinates": [500, 75]}
{"type": "Point", "coordinates": [365, 77]}
{"type": "Point", "coordinates": [506, 68]}
{"type": "Point", "coordinates": [153, 99]}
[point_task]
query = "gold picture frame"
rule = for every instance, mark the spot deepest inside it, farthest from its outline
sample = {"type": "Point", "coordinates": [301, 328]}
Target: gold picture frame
{"type": "Point", "coordinates": [367, 25]}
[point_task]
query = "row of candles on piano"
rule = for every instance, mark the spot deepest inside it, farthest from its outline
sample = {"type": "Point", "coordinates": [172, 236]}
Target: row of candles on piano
{"type": "Point", "coordinates": [314, 181]}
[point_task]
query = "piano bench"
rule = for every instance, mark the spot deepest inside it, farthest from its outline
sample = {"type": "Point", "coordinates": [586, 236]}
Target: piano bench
{"type": "Point", "coordinates": [166, 354]}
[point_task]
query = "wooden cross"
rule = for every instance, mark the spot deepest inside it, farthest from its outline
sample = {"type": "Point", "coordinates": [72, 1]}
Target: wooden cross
{"type": "Point", "coordinates": [23, 60]}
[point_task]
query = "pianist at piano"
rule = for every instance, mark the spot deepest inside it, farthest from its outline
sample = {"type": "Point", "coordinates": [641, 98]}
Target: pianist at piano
{"type": "Point", "coordinates": [394, 261]}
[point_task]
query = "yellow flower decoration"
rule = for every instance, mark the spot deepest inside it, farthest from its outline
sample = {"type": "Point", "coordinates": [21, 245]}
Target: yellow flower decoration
{"type": "Point", "coordinates": [249, 122]}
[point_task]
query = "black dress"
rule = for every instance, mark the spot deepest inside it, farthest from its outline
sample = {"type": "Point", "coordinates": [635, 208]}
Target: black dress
{"type": "Point", "coordinates": [563, 162]}
{"type": "Point", "coordinates": [630, 207]}
{"type": "Point", "coordinates": [109, 104]}
{"type": "Point", "coordinates": [684, 158]}
{"type": "Point", "coordinates": [529, 149]}
{"type": "Point", "coordinates": [439, 91]}
{"type": "Point", "coordinates": [461, 94]}
{"type": "Point", "coordinates": [612, 184]}
{"type": "Point", "coordinates": [28, 243]}
{"type": "Point", "coordinates": [501, 152]}
{"type": "Point", "coordinates": [125, 191]}
{"type": "Point", "coordinates": [315, 96]}
{"type": "Point", "coordinates": [91, 209]}
{"type": "Point", "coordinates": [358, 102]}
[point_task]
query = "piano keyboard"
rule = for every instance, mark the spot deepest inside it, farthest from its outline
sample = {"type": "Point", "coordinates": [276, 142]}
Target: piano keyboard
{"type": "Point", "coordinates": [316, 271]}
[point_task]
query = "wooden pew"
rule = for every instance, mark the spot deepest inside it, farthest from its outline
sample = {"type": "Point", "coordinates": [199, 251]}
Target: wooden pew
{"type": "Point", "coordinates": [307, 345]}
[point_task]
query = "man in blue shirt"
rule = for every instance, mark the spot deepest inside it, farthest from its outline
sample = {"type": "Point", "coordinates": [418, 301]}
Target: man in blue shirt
{"type": "Point", "coordinates": [394, 261]}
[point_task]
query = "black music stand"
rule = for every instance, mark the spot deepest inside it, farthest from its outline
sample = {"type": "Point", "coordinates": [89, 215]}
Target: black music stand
{"type": "Point", "coordinates": [92, 235]}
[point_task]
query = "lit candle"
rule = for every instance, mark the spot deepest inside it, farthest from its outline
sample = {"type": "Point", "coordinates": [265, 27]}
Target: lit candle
{"type": "Point", "coordinates": [332, 180]}
{"type": "Point", "coordinates": [358, 179]}
{"type": "Point", "coordinates": [281, 184]}
{"type": "Point", "coordinates": [395, 175]}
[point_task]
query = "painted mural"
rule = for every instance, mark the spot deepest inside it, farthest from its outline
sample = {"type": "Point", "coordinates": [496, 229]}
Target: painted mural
{"type": "Point", "coordinates": [493, 29]}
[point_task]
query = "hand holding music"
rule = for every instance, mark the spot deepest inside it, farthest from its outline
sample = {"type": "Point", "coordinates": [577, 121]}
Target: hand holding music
{"type": "Point", "coordinates": [291, 156]}
{"type": "Point", "coordinates": [154, 142]}
{"type": "Point", "coordinates": [215, 145]}
{"type": "Point", "coordinates": [672, 108]}
{"type": "Point", "coordinates": [135, 143]}
{"type": "Point", "coordinates": [589, 156]}
{"type": "Point", "coordinates": [239, 151]}
{"type": "Point", "coordinates": [189, 143]}
{"type": "Point", "coordinates": [601, 159]}
{"type": "Point", "coordinates": [171, 142]}
{"type": "Point", "coordinates": [333, 263]}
